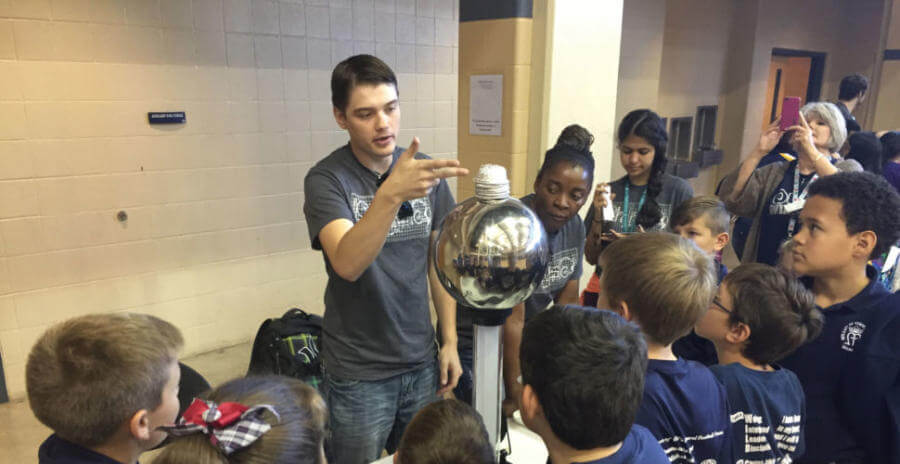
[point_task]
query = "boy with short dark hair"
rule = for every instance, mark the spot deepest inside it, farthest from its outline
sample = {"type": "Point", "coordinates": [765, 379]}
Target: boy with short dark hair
{"type": "Point", "coordinates": [851, 373]}
{"type": "Point", "coordinates": [104, 383]}
{"type": "Point", "coordinates": [761, 315]}
{"type": "Point", "coordinates": [447, 431]}
{"type": "Point", "coordinates": [583, 376]}
{"type": "Point", "coordinates": [704, 221]}
{"type": "Point", "coordinates": [664, 284]}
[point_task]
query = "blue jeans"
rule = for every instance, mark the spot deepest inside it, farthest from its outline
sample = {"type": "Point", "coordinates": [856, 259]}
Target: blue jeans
{"type": "Point", "coordinates": [368, 416]}
{"type": "Point", "coordinates": [466, 384]}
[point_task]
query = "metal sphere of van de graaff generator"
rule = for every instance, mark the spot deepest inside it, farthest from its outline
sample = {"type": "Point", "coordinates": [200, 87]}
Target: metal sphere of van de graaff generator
{"type": "Point", "coordinates": [492, 250]}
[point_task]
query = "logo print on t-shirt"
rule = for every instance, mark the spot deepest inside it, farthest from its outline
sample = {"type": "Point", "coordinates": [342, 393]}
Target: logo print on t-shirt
{"type": "Point", "coordinates": [851, 334]}
{"type": "Point", "coordinates": [416, 226]}
{"type": "Point", "coordinates": [663, 224]}
{"type": "Point", "coordinates": [785, 202]}
{"type": "Point", "coordinates": [559, 271]}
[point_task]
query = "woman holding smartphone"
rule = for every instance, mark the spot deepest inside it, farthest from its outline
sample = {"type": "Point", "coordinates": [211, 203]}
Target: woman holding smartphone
{"type": "Point", "coordinates": [773, 195]}
{"type": "Point", "coordinates": [643, 199]}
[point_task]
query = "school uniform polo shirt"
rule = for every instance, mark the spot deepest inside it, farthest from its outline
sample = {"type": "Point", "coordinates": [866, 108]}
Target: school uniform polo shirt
{"type": "Point", "coordinates": [56, 450]}
{"type": "Point", "coordinates": [851, 378]}
{"type": "Point", "coordinates": [639, 447]}
{"type": "Point", "coordinates": [686, 409]}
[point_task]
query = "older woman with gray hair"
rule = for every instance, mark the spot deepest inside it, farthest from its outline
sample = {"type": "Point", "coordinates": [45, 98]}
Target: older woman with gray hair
{"type": "Point", "coordinates": [773, 195]}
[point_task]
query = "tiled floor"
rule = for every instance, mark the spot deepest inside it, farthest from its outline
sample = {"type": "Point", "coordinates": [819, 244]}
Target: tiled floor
{"type": "Point", "coordinates": [21, 433]}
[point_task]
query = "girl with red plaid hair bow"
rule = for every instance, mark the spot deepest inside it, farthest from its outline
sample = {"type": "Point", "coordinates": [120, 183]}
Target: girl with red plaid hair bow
{"type": "Point", "coordinates": [266, 419]}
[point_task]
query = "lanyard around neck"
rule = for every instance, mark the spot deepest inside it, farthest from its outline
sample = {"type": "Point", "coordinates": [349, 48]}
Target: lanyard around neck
{"type": "Point", "coordinates": [629, 226]}
{"type": "Point", "coordinates": [799, 196]}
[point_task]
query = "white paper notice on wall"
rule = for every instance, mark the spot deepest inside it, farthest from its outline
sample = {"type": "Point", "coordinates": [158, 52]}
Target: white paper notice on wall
{"type": "Point", "coordinates": [485, 104]}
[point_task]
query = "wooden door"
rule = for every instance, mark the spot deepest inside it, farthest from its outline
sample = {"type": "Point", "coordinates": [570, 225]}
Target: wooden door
{"type": "Point", "coordinates": [788, 77]}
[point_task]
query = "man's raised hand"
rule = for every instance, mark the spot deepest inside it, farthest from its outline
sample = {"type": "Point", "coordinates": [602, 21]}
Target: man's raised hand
{"type": "Point", "coordinates": [413, 178]}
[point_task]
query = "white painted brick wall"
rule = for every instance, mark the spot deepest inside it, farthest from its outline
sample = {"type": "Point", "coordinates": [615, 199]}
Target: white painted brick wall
{"type": "Point", "coordinates": [215, 239]}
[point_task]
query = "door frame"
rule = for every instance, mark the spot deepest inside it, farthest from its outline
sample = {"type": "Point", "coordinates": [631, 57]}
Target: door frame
{"type": "Point", "coordinates": [816, 69]}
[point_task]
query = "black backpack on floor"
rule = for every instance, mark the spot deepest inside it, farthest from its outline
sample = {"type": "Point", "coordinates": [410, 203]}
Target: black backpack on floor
{"type": "Point", "coordinates": [289, 345]}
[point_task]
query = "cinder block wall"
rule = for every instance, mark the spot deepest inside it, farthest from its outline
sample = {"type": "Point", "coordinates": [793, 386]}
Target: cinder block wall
{"type": "Point", "coordinates": [215, 239]}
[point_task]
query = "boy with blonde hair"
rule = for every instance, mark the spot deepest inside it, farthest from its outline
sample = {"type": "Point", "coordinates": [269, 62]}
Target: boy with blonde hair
{"type": "Point", "coordinates": [104, 383]}
{"type": "Point", "coordinates": [664, 283]}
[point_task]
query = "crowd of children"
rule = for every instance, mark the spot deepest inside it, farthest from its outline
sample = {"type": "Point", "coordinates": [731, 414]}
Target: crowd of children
{"type": "Point", "coordinates": [599, 386]}
{"type": "Point", "coordinates": [673, 359]}
{"type": "Point", "coordinates": [107, 385]}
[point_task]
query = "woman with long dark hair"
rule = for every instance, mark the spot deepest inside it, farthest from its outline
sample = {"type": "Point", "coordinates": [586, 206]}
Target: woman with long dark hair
{"type": "Point", "coordinates": [644, 198]}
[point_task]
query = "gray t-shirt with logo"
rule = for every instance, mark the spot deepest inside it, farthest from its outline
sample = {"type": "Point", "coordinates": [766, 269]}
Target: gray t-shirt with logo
{"type": "Point", "coordinates": [566, 252]}
{"type": "Point", "coordinates": [566, 255]}
{"type": "Point", "coordinates": [380, 325]}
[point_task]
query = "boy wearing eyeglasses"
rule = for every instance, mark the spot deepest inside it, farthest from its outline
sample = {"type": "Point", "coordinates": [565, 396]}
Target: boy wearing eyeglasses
{"type": "Point", "coordinates": [760, 315]}
{"type": "Point", "coordinates": [373, 209]}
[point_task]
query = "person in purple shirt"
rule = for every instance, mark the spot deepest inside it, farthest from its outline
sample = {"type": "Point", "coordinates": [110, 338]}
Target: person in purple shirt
{"type": "Point", "coordinates": [866, 149]}
{"type": "Point", "coordinates": [582, 376]}
{"type": "Point", "coordinates": [890, 143]}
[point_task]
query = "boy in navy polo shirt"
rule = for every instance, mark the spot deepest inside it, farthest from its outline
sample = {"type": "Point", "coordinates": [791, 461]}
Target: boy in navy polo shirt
{"type": "Point", "coordinates": [851, 373]}
{"type": "Point", "coordinates": [104, 383]}
{"type": "Point", "coordinates": [583, 374]}
{"type": "Point", "coordinates": [664, 283]}
{"type": "Point", "coordinates": [760, 315]}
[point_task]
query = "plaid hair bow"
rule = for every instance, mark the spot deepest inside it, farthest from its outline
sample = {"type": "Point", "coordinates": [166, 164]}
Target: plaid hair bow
{"type": "Point", "coordinates": [230, 426]}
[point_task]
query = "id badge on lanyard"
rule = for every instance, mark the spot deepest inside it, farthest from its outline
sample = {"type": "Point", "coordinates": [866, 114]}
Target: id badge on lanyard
{"type": "Point", "coordinates": [628, 227]}
{"type": "Point", "coordinates": [798, 202]}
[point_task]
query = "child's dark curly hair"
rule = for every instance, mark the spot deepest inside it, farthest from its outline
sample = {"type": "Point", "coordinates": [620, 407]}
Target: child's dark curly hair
{"type": "Point", "coordinates": [869, 203]}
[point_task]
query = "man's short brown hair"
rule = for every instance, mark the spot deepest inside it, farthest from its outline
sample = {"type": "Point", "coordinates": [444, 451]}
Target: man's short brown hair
{"type": "Point", "coordinates": [710, 208]}
{"type": "Point", "coordinates": [666, 281]}
{"type": "Point", "coordinates": [88, 375]}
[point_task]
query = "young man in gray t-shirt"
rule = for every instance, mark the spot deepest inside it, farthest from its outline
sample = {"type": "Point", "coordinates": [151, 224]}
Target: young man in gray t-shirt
{"type": "Point", "coordinates": [373, 209]}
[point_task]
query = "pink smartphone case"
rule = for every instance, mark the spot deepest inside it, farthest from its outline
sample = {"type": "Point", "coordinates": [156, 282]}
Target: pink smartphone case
{"type": "Point", "coordinates": [790, 112]}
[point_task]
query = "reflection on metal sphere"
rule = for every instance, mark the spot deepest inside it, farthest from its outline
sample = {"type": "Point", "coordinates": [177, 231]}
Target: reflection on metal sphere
{"type": "Point", "coordinates": [492, 250]}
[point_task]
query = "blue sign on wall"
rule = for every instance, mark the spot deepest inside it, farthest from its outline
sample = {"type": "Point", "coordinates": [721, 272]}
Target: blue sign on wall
{"type": "Point", "coordinates": [173, 117]}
